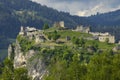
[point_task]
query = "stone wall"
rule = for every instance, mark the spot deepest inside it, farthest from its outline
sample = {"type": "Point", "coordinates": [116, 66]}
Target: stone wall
{"type": "Point", "coordinates": [83, 29]}
{"type": "Point", "coordinates": [111, 39]}
{"type": "Point", "coordinates": [99, 33]}
{"type": "Point", "coordinates": [32, 34]}
{"type": "Point", "coordinates": [59, 24]}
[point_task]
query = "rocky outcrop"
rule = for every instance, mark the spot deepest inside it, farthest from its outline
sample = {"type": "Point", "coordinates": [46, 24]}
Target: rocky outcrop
{"type": "Point", "coordinates": [36, 67]}
{"type": "Point", "coordinates": [9, 51]}
{"type": "Point", "coordinates": [19, 58]}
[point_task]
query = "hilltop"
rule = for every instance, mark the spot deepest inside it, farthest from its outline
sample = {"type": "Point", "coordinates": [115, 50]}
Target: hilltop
{"type": "Point", "coordinates": [48, 54]}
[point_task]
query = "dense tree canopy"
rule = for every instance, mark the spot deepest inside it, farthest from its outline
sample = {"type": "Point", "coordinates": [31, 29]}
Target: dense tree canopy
{"type": "Point", "coordinates": [9, 73]}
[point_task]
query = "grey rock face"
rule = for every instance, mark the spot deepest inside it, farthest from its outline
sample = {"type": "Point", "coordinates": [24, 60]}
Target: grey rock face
{"type": "Point", "coordinates": [19, 58]}
{"type": "Point", "coordinates": [36, 67]}
{"type": "Point", "coordinates": [9, 51]}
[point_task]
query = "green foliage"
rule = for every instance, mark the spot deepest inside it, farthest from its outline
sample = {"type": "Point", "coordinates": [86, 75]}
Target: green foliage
{"type": "Point", "coordinates": [46, 26]}
{"type": "Point", "coordinates": [71, 33]}
{"type": "Point", "coordinates": [66, 68]}
{"type": "Point", "coordinates": [9, 73]}
{"type": "Point", "coordinates": [77, 41]}
{"type": "Point", "coordinates": [49, 37]}
{"type": "Point", "coordinates": [25, 43]}
{"type": "Point", "coordinates": [102, 66]}
{"type": "Point", "coordinates": [99, 45]}
{"type": "Point", "coordinates": [21, 74]}
{"type": "Point", "coordinates": [95, 44]}
{"type": "Point", "coordinates": [53, 35]}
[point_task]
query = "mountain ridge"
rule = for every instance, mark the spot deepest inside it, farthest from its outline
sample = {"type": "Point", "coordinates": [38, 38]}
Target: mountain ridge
{"type": "Point", "coordinates": [109, 19]}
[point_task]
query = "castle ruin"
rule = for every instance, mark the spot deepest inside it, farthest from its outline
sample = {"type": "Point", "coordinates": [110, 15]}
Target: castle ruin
{"type": "Point", "coordinates": [32, 33]}
{"type": "Point", "coordinates": [59, 24]}
{"type": "Point", "coordinates": [99, 33]}
{"type": "Point", "coordinates": [103, 37]}
{"type": "Point", "coordinates": [82, 29]}
{"type": "Point", "coordinates": [110, 38]}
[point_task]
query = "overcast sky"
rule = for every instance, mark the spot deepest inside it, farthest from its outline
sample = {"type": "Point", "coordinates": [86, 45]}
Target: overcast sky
{"type": "Point", "coordinates": [82, 7]}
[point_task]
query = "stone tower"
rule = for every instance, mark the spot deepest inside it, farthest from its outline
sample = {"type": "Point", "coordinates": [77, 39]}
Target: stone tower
{"type": "Point", "coordinates": [83, 29]}
{"type": "Point", "coordinates": [61, 24]}
{"type": "Point", "coordinates": [22, 31]}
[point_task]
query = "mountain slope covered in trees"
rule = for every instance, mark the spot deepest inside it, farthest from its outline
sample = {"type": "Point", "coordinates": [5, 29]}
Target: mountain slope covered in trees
{"type": "Point", "coordinates": [106, 19]}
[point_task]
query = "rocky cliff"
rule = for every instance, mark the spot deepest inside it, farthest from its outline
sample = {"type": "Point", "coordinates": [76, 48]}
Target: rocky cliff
{"type": "Point", "coordinates": [35, 66]}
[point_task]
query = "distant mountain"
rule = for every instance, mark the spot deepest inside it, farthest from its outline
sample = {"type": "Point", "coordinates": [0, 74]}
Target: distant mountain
{"type": "Point", "coordinates": [106, 19]}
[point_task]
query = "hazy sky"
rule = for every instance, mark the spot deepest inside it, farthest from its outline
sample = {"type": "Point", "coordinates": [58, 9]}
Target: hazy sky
{"type": "Point", "coordinates": [82, 7]}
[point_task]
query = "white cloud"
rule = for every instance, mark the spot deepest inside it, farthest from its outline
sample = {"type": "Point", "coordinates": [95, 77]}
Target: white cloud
{"type": "Point", "coordinates": [82, 13]}
{"type": "Point", "coordinates": [82, 7]}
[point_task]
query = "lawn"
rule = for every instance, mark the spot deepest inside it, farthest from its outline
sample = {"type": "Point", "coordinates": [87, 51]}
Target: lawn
{"type": "Point", "coordinates": [70, 33]}
{"type": "Point", "coordinates": [101, 45]}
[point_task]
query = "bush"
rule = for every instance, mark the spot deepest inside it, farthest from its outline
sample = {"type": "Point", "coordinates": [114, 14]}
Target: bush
{"type": "Point", "coordinates": [25, 43]}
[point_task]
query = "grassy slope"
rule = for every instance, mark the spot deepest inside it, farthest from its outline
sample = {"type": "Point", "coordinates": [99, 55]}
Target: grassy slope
{"type": "Point", "coordinates": [101, 45]}
{"type": "Point", "coordinates": [64, 33]}
{"type": "Point", "coordinates": [72, 34]}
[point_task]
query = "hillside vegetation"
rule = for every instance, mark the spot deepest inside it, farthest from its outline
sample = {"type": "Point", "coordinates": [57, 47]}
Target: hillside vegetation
{"type": "Point", "coordinates": [75, 59]}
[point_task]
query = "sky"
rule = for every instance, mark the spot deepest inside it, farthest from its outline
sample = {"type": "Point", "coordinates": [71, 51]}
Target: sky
{"type": "Point", "coordinates": [82, 7]}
